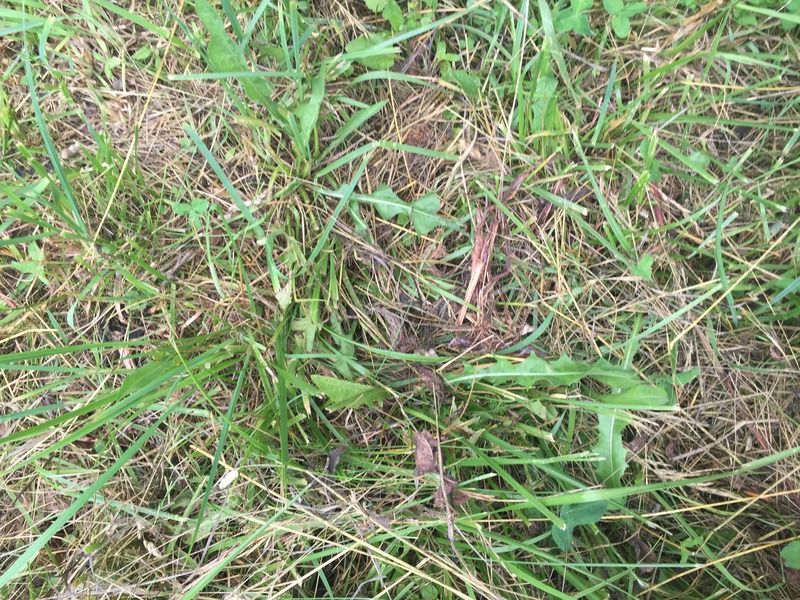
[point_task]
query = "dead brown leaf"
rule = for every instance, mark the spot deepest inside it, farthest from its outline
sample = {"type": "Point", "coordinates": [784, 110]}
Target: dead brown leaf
{"type": "Point", "coordinates": [481, 255]}
{"type": "Point", "coordinates": [427, 461]}
{"type": "Point", "coordinates": [395, 327]}
{"type": "Point", "coordinates": [638, 443]}
{"type": "Point", "coordinates": [7, 301]}
{"type": "Point", "coordinates": [672, 450]}
{"type": "Point", "coordinates": [793, 578]}
{"type": "Point", "coordinates": [690, 25]}
{"type": "Point", "coordinates": [515, 185]}
{"type": "Point", "coordinates": [644, 554]}
{"type": "Point", "coordinates": [486, 226]}
{"type": "Point", "coordinates": [432, 381]}
{"type": "Point", "coordinates": [448, 489]}
{"type": "Point", "coordinates": [333, 460]}
{"type": "Point", "coordinates": [425, 454]}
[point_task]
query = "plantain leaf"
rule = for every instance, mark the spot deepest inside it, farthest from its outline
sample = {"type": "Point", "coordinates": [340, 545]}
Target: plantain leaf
{"type": "Point", "coordinates": [210, 18]}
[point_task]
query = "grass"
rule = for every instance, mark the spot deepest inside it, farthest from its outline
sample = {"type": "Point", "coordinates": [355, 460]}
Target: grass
{"type": "Point", "coordinates": [249, 250]}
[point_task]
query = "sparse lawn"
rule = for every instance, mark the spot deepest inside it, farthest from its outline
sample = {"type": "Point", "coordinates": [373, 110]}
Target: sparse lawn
{"type": "Point", "coordinates": [403, 300]}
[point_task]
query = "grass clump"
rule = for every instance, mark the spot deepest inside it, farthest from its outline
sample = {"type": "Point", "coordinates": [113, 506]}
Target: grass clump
{"type": "Point", "coordinates": [405, 300]}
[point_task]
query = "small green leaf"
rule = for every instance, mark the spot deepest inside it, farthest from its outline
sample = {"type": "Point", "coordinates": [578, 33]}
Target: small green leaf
{"type": "Point", "coordinates": [181, 208]}
{"type": "Point", "coordinates": [346, 394]}
{"type": "Point", "coordinates": [307, 113]}
{"type": "Point", "coordinates": [142, 53]}
{"type": "Point", "coordinates": [698, 160]}
{"type": "Point", "coordinates": [791, 555]}
{"type": "Point", "coordinates": [284, 296]}
{"type": "Point", "coordinates": [428, 591]}
{"type": "Point", "coordinates": [382, 58]}
{"type": "Point", "coordinates": [609, 447]}
{"type": "Point", "coordinates": [572, 19]}
{"type": "Point", "coordinates": [468, 82]}
{"type": "Point", "coordinates": [225, 56]}
{"type": "Point", "coordinates": [582, 25]}
{"type": "Point", "coordinates": [586, 513]}
{"type": "Point", "coordinates": [35, 253]}
{"type": "Point", "coordinates": [613, 6]}
{"type": "Point", "coordinates": [633, 9]}
{"type": "Point", "coordinates": [393, 14]}
{"type": "Point", "coordinates": [199, 206]}
{"type": "Point", "coordinates": [621, 26]}
{"type": "Point", "coordinates": [564, 20]}
{"type": "Point", "coordinates": [644, 268]}
{"type": "Point", "coordinates": [376, 6]}
{"type": "Point", "coordinates": [793, 13]}
{"type": "Point", "coordinates": [423, 213]}
{"type": "Point", "coordinates": [638, 397]}
{"type": "Point", "coordinates": [387, 203]}
{"type": "Point", "coordinates": [308, 326]}
{"type": "Point", "coordinates": [563, 537]}
{"type": "Point", "coordinates": [111, 64]}
{"type": "Point", "coordinates": [25, 266]}
{"type": "Point", "coordinates": [686, 377]}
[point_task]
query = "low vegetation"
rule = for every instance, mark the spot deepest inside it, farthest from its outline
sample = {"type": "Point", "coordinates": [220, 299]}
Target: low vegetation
{"type": "Point", "coordinates": [408, 300]}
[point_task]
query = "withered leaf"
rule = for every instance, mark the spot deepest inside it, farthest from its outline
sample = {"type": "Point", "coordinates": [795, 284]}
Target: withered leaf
{"type": "Point", "coordinates": [333, 460]}
{"type": "Point", "coordinates": [427, 461]}
{"type": "Point", "coordinates": [449, 487]}
{"type": "Point", "coordinates": [671, 451]}
{"type": "Point", "coordinates": [515, 185]}
{"type": "Point", "coordinates": [425, 455]}
{"type": "Point", "coordinates": [793, 578]}
{"type": "Point", "coordinates": [399, 339]}
{"type": "Point", "coordinates": [644, 554]}
{"type": "Point", "coordinates": [432, 381]}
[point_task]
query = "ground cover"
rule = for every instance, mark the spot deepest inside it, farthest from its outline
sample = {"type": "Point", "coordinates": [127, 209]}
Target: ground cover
{"type": "Point", "coordinates": [393, 299]}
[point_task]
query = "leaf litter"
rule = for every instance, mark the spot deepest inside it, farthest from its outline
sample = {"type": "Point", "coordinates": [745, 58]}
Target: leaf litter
{"type": "Point", "coordinates": [426, 459]}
